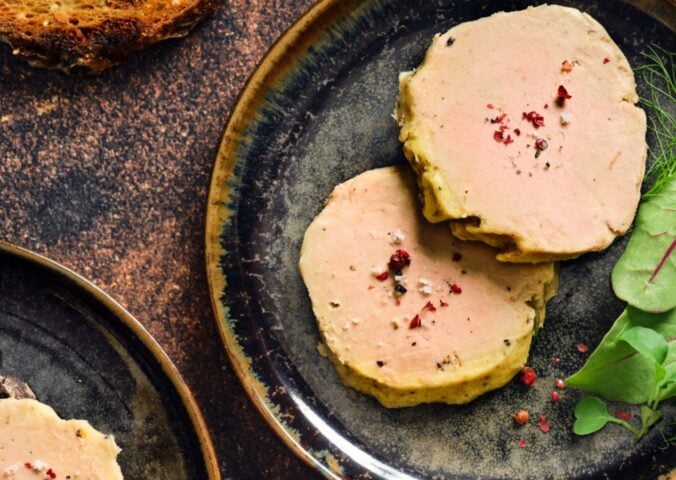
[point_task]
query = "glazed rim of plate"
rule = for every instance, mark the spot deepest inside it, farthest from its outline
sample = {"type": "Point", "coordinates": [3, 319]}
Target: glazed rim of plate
{"type": "Point", "coordinates": [169, 369]}
{"type": "Point", "coordinates": [274, 66]}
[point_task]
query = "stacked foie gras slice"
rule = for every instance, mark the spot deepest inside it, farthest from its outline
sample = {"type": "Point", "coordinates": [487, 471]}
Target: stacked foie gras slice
{"type": "Point", "coordinates": [522, 130]}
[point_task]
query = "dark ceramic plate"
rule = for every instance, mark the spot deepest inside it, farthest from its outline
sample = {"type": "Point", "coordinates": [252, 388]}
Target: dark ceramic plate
{"type": "Point", "coordinates": [86, 357]}
{"type": "Point", "coordinates": [315, 113]}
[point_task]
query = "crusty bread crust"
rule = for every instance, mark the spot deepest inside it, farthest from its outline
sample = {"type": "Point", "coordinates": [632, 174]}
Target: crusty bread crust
{"type": "Point", "coordinates": [88, 36]}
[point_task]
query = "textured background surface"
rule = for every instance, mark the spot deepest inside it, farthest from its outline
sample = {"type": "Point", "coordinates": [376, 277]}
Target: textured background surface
{"type": "Point", "coordinates": [108, 176]}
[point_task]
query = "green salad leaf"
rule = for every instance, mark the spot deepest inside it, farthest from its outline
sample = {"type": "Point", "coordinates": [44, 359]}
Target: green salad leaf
{"type": "Point", "coordinates": [647, 342]}
{"type": "Point", "coordinates": [591, 415]}
{"type": "Point", "coordinates": [618, 371]}
{"type": "Point", "coordinates": [668, 388]}
{"type": "Point", "coordinates": [636, 360]}
{"type": "Point", "coordinates": [645, 274]}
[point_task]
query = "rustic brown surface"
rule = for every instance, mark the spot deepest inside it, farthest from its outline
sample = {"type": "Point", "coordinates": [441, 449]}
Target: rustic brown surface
{"type": "Point", "coordinates": [108, 175]}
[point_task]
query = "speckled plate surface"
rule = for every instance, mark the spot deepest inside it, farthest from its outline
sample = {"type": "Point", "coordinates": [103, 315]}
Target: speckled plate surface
{"type": "Point", "coordinates": [87, 358]}
{"type": "Point", "coordinates": [315, 113]}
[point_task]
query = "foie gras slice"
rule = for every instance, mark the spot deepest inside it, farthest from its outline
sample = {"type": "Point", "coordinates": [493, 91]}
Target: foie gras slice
{"type": "Point", "coordinates": [449, 326]}
{"type": "Point", "coordinates": [504, 156]}
{"type": "Point", "coordinates": [36, 443]}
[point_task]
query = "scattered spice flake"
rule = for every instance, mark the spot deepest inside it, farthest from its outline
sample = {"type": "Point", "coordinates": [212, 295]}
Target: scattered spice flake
{"type": "Point", "coordinates": [543, 424]}
{"type": "Point", "coordinates": [582, 347]}
{"type": "Point", "coordinates": [558, 383]}
{"type": "Point", "coordinates": [562, 93]}
{"type": "Point", "coordinates": [442, 303]}
{"type": "Point", "coordinates": [457, 257]}
{"type": "Point", "coordinates": [399, 260]}
{"type": "Point", "coordinates": [622, 415]}
{"type": "Point", "coordinates": [555, 396]}
{"type": "Point", "coordinates": [490, 106]}
{"type": "Point", "coordinates": [28, 465]}
{"type": "Point", "coordinates": [38, 465]}
{"type": "Point", "coordinates": [429, 306]}
{"type": "Point", "coordinates": [50, 473]}
{"type": "Point", "coordinates": [528, 376]}
{"type": "Point", "coordinates": [455, 288]}
{"type": "Point", "coordinates": [416, 322]}
{"type": "Point", "coordinates": [566, 66]}
{"type": "Point", "coordinates": [540, 146]}
{"type": "Point", "coordinates": [397, 237]}
{"type": "Point", "coordinates": [520, 417]}
{"type": "Point", "coordinates": [508, 140]}
{"type": "Point", "coordinates": [535, 118]}
{"type": "Point", "coordinates": [383, 276]}
{"type": "Point", "coordinates": [546, 105]}
{"type": "Point", "coordinates": [399, 289]}
{"type": "Point", "coordinates": [522, 443]}
{"type": "Point", "coordinates": [606, 60]}
{"type": "Point", "coordinates": [426, 287]}
{"type": "Point", "coordinates": [380, 363]}
{"type": "Point", "coordinates": [499, 118]}
{"type": "Point", "coordinates": [556, 360]}
{"type": "Point", "coordinates": [450, 41]}
{"type": "Point", "coordinates": [497, 136]}
{"type": "Point", "coordinates": [517, 132]}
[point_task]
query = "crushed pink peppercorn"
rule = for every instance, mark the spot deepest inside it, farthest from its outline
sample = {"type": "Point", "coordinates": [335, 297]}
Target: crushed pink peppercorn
{"type": "Point", "coordinates": [563, 93]}
{"type": "Point", "coordinates": [520, 417]}
{"type": "Point", "coordinates": [543, 424]}
{"type": "Point", "coordinates": [528, 376]}
{"type": "Point", "coordinates": [429, 306]}
{"type": "Point", "coordinates": [399, 260]}
{"type": "Point", "coordinates": [622, 415]}
{"type": "Point", "coordinates": [535, 118]}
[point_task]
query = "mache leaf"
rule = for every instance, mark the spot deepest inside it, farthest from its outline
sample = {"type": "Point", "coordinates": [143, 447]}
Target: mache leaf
{"type": "Point", "coordinates": [615, 370]}
{"type": "Point", "coordinates": [645, 274]}
{"type": "Point", "coordinates": [591, 415]}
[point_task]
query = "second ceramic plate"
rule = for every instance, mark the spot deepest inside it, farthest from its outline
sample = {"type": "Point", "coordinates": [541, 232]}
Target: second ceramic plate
{"type": "Point", "coordinates": [316, 113]}
{"type": "Point", "coordinates": [86, 357]}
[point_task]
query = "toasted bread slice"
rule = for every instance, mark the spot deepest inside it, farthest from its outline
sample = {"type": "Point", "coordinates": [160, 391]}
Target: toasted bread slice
{"type": "Point", "coordinates": [88, 36]}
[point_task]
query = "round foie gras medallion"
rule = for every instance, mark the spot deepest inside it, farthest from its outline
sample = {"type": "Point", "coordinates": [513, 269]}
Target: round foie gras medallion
{"type": "Point", "coordinates": [408, 313]}
{"type": "Point", "coordinates": [524, 133]}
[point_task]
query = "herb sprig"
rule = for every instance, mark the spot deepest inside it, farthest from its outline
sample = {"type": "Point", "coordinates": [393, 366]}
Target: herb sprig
{"type": "Point", "coordinates": [659, 76]}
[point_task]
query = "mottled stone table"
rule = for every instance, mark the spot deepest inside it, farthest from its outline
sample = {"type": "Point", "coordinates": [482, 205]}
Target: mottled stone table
{"type": "Point", "coordinates": [108, 175]}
